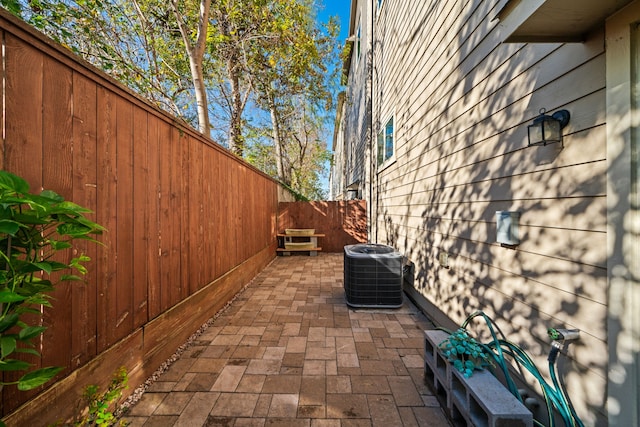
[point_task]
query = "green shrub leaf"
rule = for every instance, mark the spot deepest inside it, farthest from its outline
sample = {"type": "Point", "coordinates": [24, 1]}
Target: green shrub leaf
{"type": "Point", "coordinates": [59, 245]}
{"type": "Point", "coordinates": [51, 196]}
{"type": "Point", "coordinates": [9, 227]}
{"type": "Point", "coordinates": [28, 351]}
{"type": "Point", "coordinates": [8, 321]}
{"type": "Point", "coordinates": [13, 365]}
{"type": "Point", "coordinates": [44, 266]}
{"type": "Point", "coordinates": [8, 296]}
{"type": "Point", "coordinates": [31, 332]}
{"type": "Point", "coordinates": [7, 345]}
{"type": "Point", "coordinates": [9, 181]}
{"type": "Point", "coordinates": [28, 247]}
{"type": "Point", "coordinates": [37, 378]}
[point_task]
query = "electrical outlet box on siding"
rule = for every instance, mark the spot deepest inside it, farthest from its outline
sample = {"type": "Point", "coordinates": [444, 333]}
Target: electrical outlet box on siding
{"type": "Point", "coordinates": [507, 227]}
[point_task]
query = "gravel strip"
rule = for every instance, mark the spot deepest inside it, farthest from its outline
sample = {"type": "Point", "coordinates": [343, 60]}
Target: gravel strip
{"type": "Point", "coordinates": [140, 390]}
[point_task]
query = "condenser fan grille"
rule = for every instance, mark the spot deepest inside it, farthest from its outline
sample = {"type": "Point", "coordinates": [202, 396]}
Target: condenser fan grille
{"type": "Point", "coordinates": [372, 276]}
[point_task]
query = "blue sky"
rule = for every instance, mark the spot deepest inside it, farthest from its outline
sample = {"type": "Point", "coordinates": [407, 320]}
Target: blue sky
{"type": "Point", "coordinates": [340, 8]}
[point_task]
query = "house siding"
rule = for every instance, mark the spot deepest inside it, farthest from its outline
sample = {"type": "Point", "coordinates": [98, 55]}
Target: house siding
{"type": "Point", "coordinates": [357, 122]}
{"type": "Point", "coordinates": [462, 101]}
{"type": "Point", "coordinates": [337, 187]}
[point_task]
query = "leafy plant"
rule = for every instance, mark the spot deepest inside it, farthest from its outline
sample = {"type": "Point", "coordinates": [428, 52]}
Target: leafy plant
{"type": "Point", "coordinates": [35, 230]}
{"type": "Point", "coordinates": [464, 352]}
{"type": "Point", "coordinates": [101, 406]}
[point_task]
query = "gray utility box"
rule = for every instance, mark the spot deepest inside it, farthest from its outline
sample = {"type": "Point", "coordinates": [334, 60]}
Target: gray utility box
{"type": "Point", "coordinates": [372, 276]}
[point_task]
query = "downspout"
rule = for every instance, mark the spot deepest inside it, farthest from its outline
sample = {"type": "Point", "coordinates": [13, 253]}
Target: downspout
{"type": "Point", "coordinates": [372, 162]}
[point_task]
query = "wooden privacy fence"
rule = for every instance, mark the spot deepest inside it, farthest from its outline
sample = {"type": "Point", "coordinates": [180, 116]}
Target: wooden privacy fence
{"type": "Point", "coordinates": [342, 223]}
{"type": "Point", "coordinates": [188, 223]}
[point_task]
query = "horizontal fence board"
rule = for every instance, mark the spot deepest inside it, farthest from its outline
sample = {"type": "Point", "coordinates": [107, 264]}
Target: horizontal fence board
{"type": "Point", "coordinates": [342, 223]}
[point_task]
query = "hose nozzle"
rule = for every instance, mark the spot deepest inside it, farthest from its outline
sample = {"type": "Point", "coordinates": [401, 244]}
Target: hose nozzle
{"type": "Point", "coordinates": [563, 334]}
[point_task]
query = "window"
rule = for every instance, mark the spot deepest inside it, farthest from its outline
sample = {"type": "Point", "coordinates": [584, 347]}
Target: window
{"type": "Point", "coordinates": [386, 143]}
{"type": "Point", "coordinates": [380, 4]}
{"type": "Point", "coordinates": [358, 35]}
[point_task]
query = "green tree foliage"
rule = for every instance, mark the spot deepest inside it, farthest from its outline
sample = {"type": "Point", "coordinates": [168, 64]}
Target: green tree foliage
{"type": "Point", "coordinates": [292, 70]}
{"type": "Point", "coordinates": [135, 41]}
{"type": "Point", "coordinates": [235, 28]}
{"type": "Point", "coordinates": [238, 70]}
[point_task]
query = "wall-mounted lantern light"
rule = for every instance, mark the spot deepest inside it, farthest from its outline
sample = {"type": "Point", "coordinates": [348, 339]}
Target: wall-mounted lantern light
{"type": "Point", "coordinates": [547, 129]}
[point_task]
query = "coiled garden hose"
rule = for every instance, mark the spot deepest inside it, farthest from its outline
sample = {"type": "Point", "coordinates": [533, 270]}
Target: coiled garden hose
{"type": "Point", "coordinates": [555, 395]}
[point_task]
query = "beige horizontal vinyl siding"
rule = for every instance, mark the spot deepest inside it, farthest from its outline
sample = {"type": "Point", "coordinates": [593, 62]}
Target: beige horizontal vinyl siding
{"type": "Point", "coordinates": [358, 105]}
{"type": "Point", "coordinates": [462, 101]}
{"type": "Point", "coordinates": [356, 135]}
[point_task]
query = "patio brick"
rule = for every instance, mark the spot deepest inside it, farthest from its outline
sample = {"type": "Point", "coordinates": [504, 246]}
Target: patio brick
{"type": "Point", "coordinates": [148, 404]}
{"type": "Point", "coordinates": [206, 364]}
{"type": "Point", "coordinates": [313, 390]}
{"type": "Point", "coordinates": [383, 410]}
{"type": "Point", "coordinates": [248, 351]}
{"type": "Point", "coordinates": [289, 352]}
{"type": "Point", "coordinates": [296, 344]}
{"type": "Point", "coordinates": [202, 382]}
{"type": "Point", "coordinates": [314, 367]}
{"type": "Point", "coordinates": [177, 370]}
{"type": "Point", "coordinates": [249, 422]}
{"type": "Point", "coordinates": [161, 421]}
{"type": "Point", "coordinates": [184, 382]}
{"type": "Point", "coordinates": [433, 417]}
{"type": "Point", "coordinates": [262, 366]}
{"type": "Point", "coordinates": [347, 406]}
{"type": "Point", "coordinates": [282, 384]}
{"type": "Point", "coordinates": [161, 386]}
{"type": "Point", "coordinates": [376, 384]}
{"type": "Point", "coordinates": [345, 345]}
{"type": "Point", "coordinates": [413, 361]}
{"type": "Point", "coordinates": [348, 360]}
{"type": "Point", "coordinates": [367, 350]}
{"type": "Point", "coordinates": [251, 383]}
{"type": "Point", "coordinates": [339, 384]}
{"type": "Point", "coordinates": [197, 410]}
{"type": "Point", "coordinates": [173, 404]}
{"type": "Point", "coordinates": [377, 367]}
{"type": "Point", "coordinates": [263, 405]}
{"type": "Point", "coordinates": [404, 391]}
{"type": "Point", "coordinates": [229, 378]}
{"type": "Point", "coordinates": [283, 406]}
{"type": "Point", "coordinates": [321, 353]}
{"type": "Point", "coordinates": [235, 405]}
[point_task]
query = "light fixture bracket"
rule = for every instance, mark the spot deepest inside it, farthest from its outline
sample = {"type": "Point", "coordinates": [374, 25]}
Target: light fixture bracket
{"type": "Point", "coordinates": [563, 116]}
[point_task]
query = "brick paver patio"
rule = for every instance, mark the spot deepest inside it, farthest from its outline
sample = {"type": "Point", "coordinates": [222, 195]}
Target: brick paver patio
{"type": "Point", "coordinates": [290, 352]}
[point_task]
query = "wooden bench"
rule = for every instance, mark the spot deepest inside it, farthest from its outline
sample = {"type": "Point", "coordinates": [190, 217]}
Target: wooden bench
{"type": "Point", "coordinates": [308, 243]}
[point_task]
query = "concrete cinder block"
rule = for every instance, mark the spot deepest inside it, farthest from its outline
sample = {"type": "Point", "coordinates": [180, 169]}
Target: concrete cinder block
{"type": "Point", "coordinates": [480, 400]}
{"type": "Point", "coordinates": [432, 355]}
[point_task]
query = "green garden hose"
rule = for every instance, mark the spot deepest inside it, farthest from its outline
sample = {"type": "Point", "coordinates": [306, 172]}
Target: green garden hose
{"type": "Point", "coordinates": [555, 396]}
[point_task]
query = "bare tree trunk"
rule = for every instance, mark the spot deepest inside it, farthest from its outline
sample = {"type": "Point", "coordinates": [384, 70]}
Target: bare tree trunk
{"type": "Point", "coordinates": [236, 140]}
{"type": "Point", "coordinates": [277, 141]}
{"type": "Point", "coordinates": [277, 144]}
{"type": "Point", "coordinates": [201, 96]}
{"type": "Point", "coordinates": [195, 52]}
